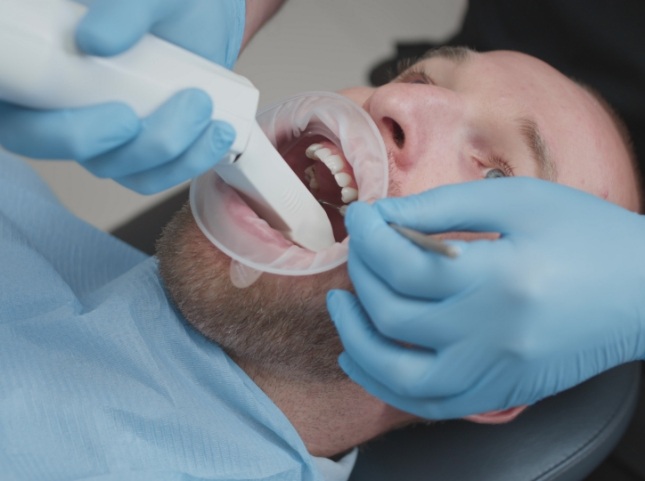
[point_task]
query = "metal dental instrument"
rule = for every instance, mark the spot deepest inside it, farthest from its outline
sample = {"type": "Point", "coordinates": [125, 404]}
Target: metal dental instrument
{"type": "Point", "coordinates": [340, 208]}
{"type": "Point", "coordinates": [424, 241]}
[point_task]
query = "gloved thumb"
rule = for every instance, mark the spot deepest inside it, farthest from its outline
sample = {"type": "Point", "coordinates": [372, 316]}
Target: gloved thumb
{"type": "Point", "coordinates": [112, 26]}
{"type": "Point", "coordinates": [481, 206]}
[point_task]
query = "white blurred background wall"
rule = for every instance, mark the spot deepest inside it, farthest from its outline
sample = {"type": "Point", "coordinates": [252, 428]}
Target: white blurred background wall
{"type": "Point", "coordinates": [309, 45]}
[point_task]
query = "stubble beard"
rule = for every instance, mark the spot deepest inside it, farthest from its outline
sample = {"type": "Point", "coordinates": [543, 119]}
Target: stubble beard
{"type": "Point", "coordinates": [277, 326]}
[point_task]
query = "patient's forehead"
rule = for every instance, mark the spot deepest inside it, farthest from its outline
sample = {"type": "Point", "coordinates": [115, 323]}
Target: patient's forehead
{"type": "Point", "coordinates": [579, 134]}
{"type": "Point", "coordinates": [582, 137]}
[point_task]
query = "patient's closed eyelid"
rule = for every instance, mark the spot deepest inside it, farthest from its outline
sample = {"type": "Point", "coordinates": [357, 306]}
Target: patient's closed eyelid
{"type": "Point", "coordinates": [415, 74]}
{"type": "Point", "coordinates": [496, 163]}
{"type": "Point", "coordinates": [488, 150]}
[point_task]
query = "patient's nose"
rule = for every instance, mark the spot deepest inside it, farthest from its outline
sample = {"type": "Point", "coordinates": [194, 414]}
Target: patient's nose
{"type": "Point", "coordinates": [415, 119]}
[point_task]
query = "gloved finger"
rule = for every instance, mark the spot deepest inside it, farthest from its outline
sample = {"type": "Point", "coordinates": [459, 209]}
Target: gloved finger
{"type": "Point", "coordinates": [427, 408]}
{"type": "Point", "coordinates": [402, 372]}
{"type": "Point", "coordinates": [432, 408]}
{"type": "Point", "coordinates": [404, 266]}
{"type": "Point", "coordinates": [420, 321]}
{"type": "Point", "coordinates": [404, 387]}
{"type": "Point", "coordinates": [471, 206]}
{"type": "Point", "coordinates": [112, 26]}
{"type": "Point", "coordinates": [389, 255]}
{"type": "Point", "coordinates": [434, 389]}
{"type": "Point", "coordinates": [165, 134]}
{"type": "Point", "coordinates": [402, 368]}
{"type": "Point", "coordinates": [401, 317]}
{"type": "Point", "coordinates": [209, 148]}
{"type": "Point", "coordinates": [66, 134]}
{"type": "Point", "coordinates": [410, 270]}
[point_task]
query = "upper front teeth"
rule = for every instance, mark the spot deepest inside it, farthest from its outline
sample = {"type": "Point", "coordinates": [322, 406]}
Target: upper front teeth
{"type": "Point", "coordinates": [311, 150]}
{"type": "Point", "coordinates": [343, 179]}
{"type": "Point", "coordinates": [336, 164]}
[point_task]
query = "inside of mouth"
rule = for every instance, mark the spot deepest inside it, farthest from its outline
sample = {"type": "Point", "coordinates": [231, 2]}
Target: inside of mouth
{"type": "Point", "coordinates": [312, 131]}
{"type": "Point", "coordinates": [320, 164]}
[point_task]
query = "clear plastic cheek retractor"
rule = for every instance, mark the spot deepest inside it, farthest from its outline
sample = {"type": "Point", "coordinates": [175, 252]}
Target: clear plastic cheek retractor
{"type": "Point", "coordinates": [42, 68]}
{"type": "Point", "coordinates": [293, 125]}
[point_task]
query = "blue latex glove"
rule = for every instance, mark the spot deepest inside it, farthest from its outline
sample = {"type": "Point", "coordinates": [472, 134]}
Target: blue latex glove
{"type": "Point", "coordinates": [556, 300]}
{"type": "Point", "coordinates": [173, 144]}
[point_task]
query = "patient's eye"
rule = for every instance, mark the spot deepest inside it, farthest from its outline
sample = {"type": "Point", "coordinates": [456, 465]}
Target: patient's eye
{"type": "Point", "coordinates": [497, 167]}
{"type": "Point", "coordinates": [495, 174]}
{"type": "Point", "coordinates": [415, 75]}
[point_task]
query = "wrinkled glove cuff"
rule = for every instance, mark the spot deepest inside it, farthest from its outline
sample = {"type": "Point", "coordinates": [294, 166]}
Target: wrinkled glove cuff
{"type": "Point", "coordinates": [238, 17]}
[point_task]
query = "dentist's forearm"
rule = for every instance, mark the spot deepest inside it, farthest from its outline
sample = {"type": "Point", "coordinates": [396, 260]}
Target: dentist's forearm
{"type": "Point", "coordinates": [258, 12]}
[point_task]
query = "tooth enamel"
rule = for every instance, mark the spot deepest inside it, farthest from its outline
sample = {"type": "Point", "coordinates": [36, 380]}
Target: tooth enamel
{"type": "Point", "coordinates": [348, 194]}
{"type": "Point", "coordinates": [343, 179]}
{"type": "Point", "coordinates": [343, 210]}
{"type": "Point", "coordinates": [335, 163]}
{"type": "Point", "coordinates": [310, 177]}
{"type": "Point", "coordinates": [311, 151]}
{"type": "Point", "coordinates": [323, 153]}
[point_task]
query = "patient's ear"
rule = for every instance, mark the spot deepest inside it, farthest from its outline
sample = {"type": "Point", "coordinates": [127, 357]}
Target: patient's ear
{"type": "Point", "coordinates": [496, 417]}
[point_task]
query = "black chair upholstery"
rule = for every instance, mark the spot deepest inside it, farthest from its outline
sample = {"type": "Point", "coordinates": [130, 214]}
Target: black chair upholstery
{"type": "Point", "coordinates": [143, 230]}
{"type": "Point", "coordinates": [562, 438]}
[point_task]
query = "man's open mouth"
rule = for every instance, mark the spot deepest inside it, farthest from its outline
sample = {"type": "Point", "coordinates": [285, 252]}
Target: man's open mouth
{"type": "Point", "coordinates": [321, 165]}
{"type": "Point", "coordinates": [334, 148]}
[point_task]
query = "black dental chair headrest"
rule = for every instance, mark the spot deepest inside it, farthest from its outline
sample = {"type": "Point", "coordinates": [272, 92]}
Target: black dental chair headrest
{"type": "Point", "coordinates": [562, 438]}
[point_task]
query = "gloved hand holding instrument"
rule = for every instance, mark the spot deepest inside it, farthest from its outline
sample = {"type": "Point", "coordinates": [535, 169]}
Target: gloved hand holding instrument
{"type": "Point", "coordinates": [556, 299]}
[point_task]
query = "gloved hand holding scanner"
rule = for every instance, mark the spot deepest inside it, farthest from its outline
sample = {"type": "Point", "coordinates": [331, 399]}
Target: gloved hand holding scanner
{"type": "Point", "coordinates": [556, 299]}
{"type": "Point", "coordinates": [37, 37]}
{"type": "Point", "coordinates": [48, 73]}
{"type": "Point", "coordinates": [175, 142]}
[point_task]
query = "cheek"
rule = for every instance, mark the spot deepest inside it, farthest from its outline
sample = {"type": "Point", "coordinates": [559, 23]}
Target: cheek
{"type": "Point", "coordinates": [438, 165]}
{"type": "Point", "coordinates": [441, 159]}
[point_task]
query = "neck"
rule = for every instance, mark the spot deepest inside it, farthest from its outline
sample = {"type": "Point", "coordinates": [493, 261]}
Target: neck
{"type": "Point", "coordinates": [332, 418]}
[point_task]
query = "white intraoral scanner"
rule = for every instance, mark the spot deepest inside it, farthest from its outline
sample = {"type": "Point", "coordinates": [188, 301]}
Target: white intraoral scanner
{"type": "Point", "coordinates": [42, 68]}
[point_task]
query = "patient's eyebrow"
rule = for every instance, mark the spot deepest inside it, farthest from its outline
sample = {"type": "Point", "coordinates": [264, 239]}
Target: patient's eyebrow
{"type": "Point", "coordinates": [533, 139]}
{"type": "Point", "coordinates": [528, 128]}
{"type": "Point", "coordinates": [455, 54]}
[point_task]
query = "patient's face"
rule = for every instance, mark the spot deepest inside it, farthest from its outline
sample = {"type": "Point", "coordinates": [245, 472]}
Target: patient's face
{"type": "Point", "coordinates": [467, 116]}
{"type": "Point", "coordinates": [450, 119]}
